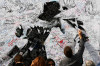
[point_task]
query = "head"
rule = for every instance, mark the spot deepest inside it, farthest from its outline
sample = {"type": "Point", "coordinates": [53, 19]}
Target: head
{"type": "Point", "coordinates": [38, 61]}
{"type": "Point", "coordinates": [89, 63]}
{"type": "Point", "coordinates": [50, 62]}
{"type": "Point", "coordinates": [68, 52]}
{"type": "Point", "coordinates": [18, 58]}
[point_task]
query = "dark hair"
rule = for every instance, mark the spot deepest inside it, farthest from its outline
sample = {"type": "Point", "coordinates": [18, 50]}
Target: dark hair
{"type": "Point", "coordinates": [38, 61]}
{"type": "Point", "coordinates": [18, 58]}
{"type": "Point", "coordinates": [90, 63]}
{"type": "Point", "coordinates": [68, 52]}
{"type": "Point", "coordinates": [48, 60]}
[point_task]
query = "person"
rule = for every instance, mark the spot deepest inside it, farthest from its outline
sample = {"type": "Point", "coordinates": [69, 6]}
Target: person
{"type": "Point", "coordinates": [38, 61]}
{"type": "Point", "coordinates": [89, 63]}
{"type": "Point", "coordinates": [50, 62]}
{"type": "Point", "coordinates": [74, 59]}
{"type": "Point", "coordinates": [19, 60]}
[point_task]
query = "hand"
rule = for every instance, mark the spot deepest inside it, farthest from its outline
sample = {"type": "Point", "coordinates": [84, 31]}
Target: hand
{"type": "Point", "coordinates": [80, 33]}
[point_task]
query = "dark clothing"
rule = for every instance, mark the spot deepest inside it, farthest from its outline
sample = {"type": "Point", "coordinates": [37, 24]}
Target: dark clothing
{"type": "Point", "coordinates": [75, 60]}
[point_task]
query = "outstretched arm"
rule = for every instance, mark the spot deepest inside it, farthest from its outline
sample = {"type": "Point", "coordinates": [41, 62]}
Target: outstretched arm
{"type": "Point", "coordinates": [81, 45]}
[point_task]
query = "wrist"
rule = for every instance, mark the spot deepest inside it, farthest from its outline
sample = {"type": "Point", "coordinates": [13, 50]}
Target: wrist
{"type": "Point", "coordinates": [80, 36]}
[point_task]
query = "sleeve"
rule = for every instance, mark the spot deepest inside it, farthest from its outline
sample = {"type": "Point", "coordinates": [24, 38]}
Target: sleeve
{"type": "Point", "coordinates": [81, 48]}
{"type": "Point", "coordinates": [60, 64]}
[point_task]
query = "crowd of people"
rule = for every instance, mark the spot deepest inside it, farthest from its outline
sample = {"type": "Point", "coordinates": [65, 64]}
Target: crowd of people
{"type": "Point", "coordinates": [70, 59]}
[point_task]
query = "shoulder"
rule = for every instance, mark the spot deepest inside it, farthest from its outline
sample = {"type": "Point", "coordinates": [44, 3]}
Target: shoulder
{"type": "Point", "coordinates": [63, 62]}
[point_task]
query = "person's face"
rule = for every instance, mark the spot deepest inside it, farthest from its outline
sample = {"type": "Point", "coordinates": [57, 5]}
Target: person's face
{"type": "Point", "coordinates": [51, 63]}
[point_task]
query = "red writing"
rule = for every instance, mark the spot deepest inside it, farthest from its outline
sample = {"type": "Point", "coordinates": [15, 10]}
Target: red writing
{"type": "Point", "coordinates": [11, 43]}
